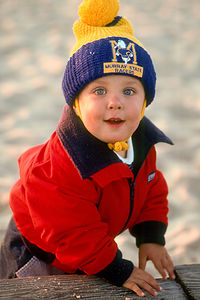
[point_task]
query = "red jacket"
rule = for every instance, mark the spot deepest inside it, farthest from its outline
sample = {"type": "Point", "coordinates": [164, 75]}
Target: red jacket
{"type": "Point", "coordinates": [74, 195]}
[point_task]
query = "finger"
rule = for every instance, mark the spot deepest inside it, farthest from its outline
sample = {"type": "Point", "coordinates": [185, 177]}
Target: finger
{"type": "Point", "coordinates": [142, 279]}
{"type": "Point", "coordinates": [148, 279]}
{"type": "Point", "coordinates": [161, 270]}
{"type": "Point", "coordinates": [169, 267]}
{"type": "Point", "coordinates": [147, 287]}
{"type": "Point", "coordinates": [171, 274]}
{"type": "Point", "coordinates": [135, 288]}
{"type": "Point", "coordinates": [142, 262]}
{"type": "Point", "coordinates": [154, 284]}
{"type": "Point", "coordinates": [138, 291]}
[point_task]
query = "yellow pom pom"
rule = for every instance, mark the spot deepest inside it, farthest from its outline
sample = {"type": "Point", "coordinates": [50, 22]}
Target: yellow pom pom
{"type": "Point", "coordinates": [98, 12]}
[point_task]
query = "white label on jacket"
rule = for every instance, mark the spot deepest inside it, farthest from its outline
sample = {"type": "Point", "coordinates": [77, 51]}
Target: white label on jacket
{"type": "Point", "coordinates": [151, 176]}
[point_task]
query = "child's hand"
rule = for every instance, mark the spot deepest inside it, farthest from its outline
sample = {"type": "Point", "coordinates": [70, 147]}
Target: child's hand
{"type": "Point", "coordinates": [160, 258]}
{"type": "Point", "coordinates": [141, 279]}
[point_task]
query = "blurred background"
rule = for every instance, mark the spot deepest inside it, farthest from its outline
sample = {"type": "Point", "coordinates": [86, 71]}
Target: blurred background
{"type": "Point", "coordinates": [36, 39]}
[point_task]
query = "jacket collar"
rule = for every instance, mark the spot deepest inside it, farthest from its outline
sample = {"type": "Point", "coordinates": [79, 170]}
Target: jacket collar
{"type": "Point", "coordinates": [146, 135]}
{"type": "Point", "coordinates": [91, 155]}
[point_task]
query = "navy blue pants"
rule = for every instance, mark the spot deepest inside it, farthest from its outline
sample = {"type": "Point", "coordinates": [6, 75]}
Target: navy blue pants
{"type": "Point", "coordinates": [13, 253]}
{"type": "Point", "coordinates": [19, 258]}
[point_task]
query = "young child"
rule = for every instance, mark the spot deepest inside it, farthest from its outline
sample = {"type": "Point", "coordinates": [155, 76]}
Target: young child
{"type": "Point", "coordinates": [97, 175]}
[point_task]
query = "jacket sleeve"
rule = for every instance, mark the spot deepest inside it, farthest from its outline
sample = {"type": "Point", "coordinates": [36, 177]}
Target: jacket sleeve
{"type": "Point", "coordinates": [152, 222]}
{"type": "Point", "coordinates": [118, 271]}
{"type": "Point", "coordinates": [66, 222]}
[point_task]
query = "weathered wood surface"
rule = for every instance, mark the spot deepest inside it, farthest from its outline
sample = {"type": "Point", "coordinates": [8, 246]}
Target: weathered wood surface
{"type": "Point", "coordinates": [73, 287]}
{"type": "Point", "coordinates": [189, 277]}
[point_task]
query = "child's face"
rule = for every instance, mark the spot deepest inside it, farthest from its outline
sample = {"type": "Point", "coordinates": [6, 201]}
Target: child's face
{"type": "Point", "coordinates": [111, 107]}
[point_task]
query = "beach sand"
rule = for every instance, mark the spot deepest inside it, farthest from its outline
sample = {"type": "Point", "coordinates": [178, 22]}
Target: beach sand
{"type": "Point", "coordinates": [36, 38]}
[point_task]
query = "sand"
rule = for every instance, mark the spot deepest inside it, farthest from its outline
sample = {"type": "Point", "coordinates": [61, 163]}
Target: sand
{"type": "Point", "coordinates": [36, 39]}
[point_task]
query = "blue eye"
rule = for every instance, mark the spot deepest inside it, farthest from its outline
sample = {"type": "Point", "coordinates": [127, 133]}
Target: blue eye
{"type": "Point", "coordinates": [100, 91]}
{"type": "Point", "coordinates": [128, 92]}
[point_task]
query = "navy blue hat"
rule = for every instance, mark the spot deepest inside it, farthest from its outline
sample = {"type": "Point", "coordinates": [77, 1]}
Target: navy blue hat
{"type": "Point", "coordinates": [105, 49]}
{"type": "Point", "coordinates": [109, 56]}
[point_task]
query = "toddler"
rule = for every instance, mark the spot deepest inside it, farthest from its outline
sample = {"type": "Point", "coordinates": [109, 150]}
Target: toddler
{"type": "Point", "coordinates": [96, 176]}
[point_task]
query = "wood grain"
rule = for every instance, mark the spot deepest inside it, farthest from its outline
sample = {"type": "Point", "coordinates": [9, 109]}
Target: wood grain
{"type": "Point", "coordinates": [73, 287]}
{"type": "Point", "coordinates": [189, 277]}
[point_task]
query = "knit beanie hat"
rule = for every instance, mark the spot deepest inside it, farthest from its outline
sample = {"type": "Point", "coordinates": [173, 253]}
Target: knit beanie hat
{"type": "Point", "coordinates": [105, 45]}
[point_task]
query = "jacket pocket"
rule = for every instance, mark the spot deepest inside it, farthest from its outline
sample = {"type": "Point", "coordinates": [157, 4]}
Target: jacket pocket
{"type": "Point", "coordinates": [36, 267]}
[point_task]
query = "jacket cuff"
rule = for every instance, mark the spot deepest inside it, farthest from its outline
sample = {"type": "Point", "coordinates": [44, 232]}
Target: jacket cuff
{"type": "Point", "coordinates": [118, 271]}
{"type": "Point", "coordinates": [149, 232]}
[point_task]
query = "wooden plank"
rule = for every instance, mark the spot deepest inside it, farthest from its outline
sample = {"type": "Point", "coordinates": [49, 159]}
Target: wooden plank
{"type": "Point", "coordinates": [189, 277]}
{"type": "Point", "coordinates": [72, 287]}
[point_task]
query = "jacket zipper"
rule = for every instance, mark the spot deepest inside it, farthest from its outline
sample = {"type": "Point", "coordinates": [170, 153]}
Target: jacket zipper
{"type": "Point", "coordinates": [132, 192]}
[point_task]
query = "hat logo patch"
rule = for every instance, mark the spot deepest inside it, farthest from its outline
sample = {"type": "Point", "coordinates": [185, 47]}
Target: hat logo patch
{"type": "Point", "coordinates": [125, 52]}
{"type": "Point", "coordinates": [124, 59]}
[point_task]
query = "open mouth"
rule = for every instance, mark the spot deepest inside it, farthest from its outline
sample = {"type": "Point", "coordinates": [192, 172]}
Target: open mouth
{"type": "Point", "coordinates": [114, 121]}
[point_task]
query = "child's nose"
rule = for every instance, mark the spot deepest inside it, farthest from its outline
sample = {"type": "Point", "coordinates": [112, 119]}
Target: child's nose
{"type": "Point", "coordinates": [114, 103]}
